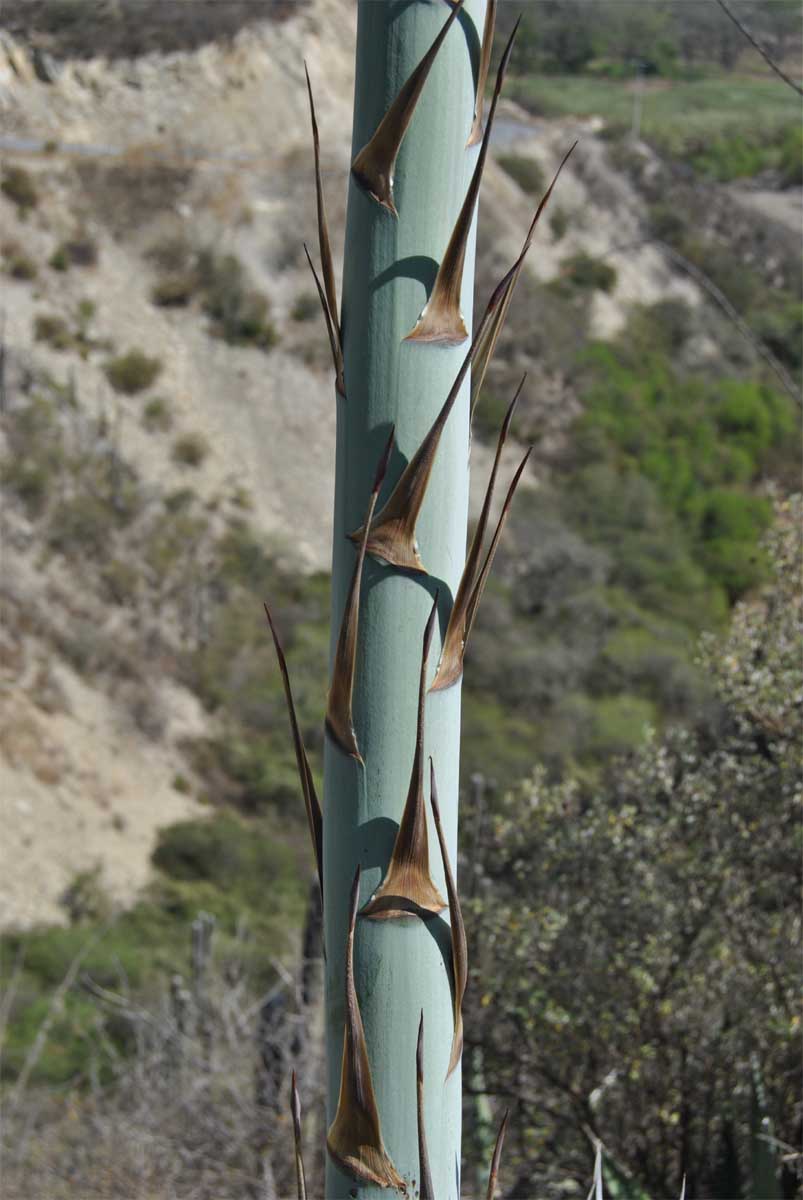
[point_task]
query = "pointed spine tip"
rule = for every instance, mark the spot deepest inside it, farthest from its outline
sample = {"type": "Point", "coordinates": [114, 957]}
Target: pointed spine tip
{"type": "Point", "coordinates": [458, 929]}
{"type": "Point", "coordinates": [426, 1190]}
{"type": "Point", "coordinates": [354, 1140]}
{"type": "Point", "coordinates": [450, 667]}
{"type": "Point", "coordinates": [295, 1108]}
{"type": "Point", "coordinates": [373, 166]}
{"type": "Point", "coordinates": [408, 889]}
{"type": "Point", "coordinates": [311, 803]}
{"type": "Point", "coordinates": [493, 1175]}
{"type": "Point", "coordinates": [441, 320]}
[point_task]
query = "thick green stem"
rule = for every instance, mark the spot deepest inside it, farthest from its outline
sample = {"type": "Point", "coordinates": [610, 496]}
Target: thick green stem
{"type": "Point", "coordinates": [401, 966]}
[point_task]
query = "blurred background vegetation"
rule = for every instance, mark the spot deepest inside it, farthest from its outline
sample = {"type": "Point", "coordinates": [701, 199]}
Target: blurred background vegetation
{"type": "Point", "coordinates": [630, 850]}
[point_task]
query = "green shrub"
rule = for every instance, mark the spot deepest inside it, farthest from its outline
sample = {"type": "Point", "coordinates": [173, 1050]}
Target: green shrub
{"type": "Point", "coordinates": [489, 414]}
{"type": "Point", "coordinates": [780, 325]}
{"type": "Point", "coordinates": [558, 223]}
{"type": "Point", "coordinates": [59, 259]}
{"type": "Point", "coordinates": [667, 222]}
{"type": "Point", "coordinates": [226, 853]}
{"type": "Point", "coordinates": [18, 185]}
{"type": "Point", "coordinates": [85, 898]}
{"type": "Point", "coordinates": [171, 253]}
{"type": "Point", "coordinates": [179, 500]}
{"type": "Point", "coordinates": [729, 525]}
{"type": "Point", "coordinates": [239, 312]}
{"type": "Point", "coordinates": [17, 263]}
{"type": "Point", "coordinates": [35, 456]}
{"type": "Point", "coordinates": [306, 307]}
{"type": "Point", "coordinates": [80, 525]}
{"type": "Point", "coordinates": [175, 290]}
{"type": "Point", "coordinates": [80, 250]}
{"type": "Point", "coordinates": [54, 330]}
{"type": "Point", "coordinates": [120, 580]}
{"type": "Point", "coordinates": [156, 415]}
{"type": "Point", "coordinates": [132, 372]}
{"type": "Point", "coordinates": [190, 449]}
{"type": "Point", "coordinates": [525, 171]}
{"type": "Point", "coordinates": [584, 271]}
{"type": "Point", "coordinates": [790, 157]}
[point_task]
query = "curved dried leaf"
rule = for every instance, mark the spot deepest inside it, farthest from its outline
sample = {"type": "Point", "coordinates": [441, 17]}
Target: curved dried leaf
{"type": "Point", "coordinates": [425, 1189]}
{"type": "Point", "coordinates": [475, 135]}
{"type": "Point", "coordinates": [339, 720]}
{"type": "Point", "coordinates": [392, 535]}
{"type": "Point", "coordinates": [323, 229]}
{"type": "Point", "coordinates": [491, 333]}
{"type": "Point", "coordinates": [295, 1109]}
{"type": "Point", "coordinates": [314, 815]}
{"type": "Point", "coordinates": [459, 944]}
{"type": "Point", "coordinates": [450, 667]}
{"type": "Point", "coordinates": [354, 1139]}
{"type": "Point", "coordinates": [441, 320]}
{"type": "Point", "coordinates": [334, 336]}
{"type": "Point", "coordinates": [479, 586]}
{"type": "Point", "coordinates": [374, 164]}
{"type": "Point", "coordinates": [497, 1154]}
{"type": "Point", "coordinates": [407, 889]}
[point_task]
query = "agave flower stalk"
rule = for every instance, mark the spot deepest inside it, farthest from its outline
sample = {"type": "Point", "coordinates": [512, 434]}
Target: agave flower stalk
{"type": "Point", "coordinates": [391, 261]}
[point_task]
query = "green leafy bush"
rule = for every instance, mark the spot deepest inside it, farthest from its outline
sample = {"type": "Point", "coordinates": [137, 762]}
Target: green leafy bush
{"type": "Point", "coordinates": [156, 415]}
{"type": "Point", "coordinates": [132, 372]}
{"type": "Point", "coordinates": [17, 262]}
{"type": "Point", "coordinates": [80, 250]}
{"type": "Point", "coordinates": [54, 330]}
{"type": "Point", "coordinates": [239, 312]}
{"type": "Point", "coordinates": [175, 290]}
{"type": "Point", "coordinates": [790, 157]}
{"type": "Point", "coordinates": [306, 307]}
{"type": "Point", "coordinates": [190, 449]}
{"type": "Point", "coordinates": [584, 271]}
{"type": "Point", "coordinates": [525, 171]}
{"type": "Point", "coordinates": [18, 185]}
{"type": "Point", "coordinates": [558, 223]}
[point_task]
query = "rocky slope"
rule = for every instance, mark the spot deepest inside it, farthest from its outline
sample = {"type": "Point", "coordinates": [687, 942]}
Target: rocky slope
{"type": "Point", "coordinates": [211, 147]}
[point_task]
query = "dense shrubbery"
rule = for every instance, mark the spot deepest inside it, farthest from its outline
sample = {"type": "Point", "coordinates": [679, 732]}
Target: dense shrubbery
{"type": "Point", "coordinates": [239, 312]}
{"type": "Point", "coordinates": [525, 170]}
{"type": "Point", "coordinates": [584, 271]}
{"type": "Point", "coordinates": [18, 185]}
{"type": "Point", "coordinates": [701, 443]}
{"type": "Point", "coordinates": [132, 372]}
{"type": "Point", "coordinates": [657, 915]}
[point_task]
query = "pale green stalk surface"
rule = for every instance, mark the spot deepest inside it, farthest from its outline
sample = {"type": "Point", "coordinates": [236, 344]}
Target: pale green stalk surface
{"type": "Point", "coordinates": [401, 966]}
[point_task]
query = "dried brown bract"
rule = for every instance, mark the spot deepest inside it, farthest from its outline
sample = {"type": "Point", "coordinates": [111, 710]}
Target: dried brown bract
{"type": "Point", "coordinates": [339, 720]}
{"type": "Point", "coordinates": [459, 944]}
{"type": "Point", "coordinates": [490, 334]}
{"type": "Point", "coordinates": [323, 228]}
{"type": "Point", "coordinates": [497, 1154]}
{"type": "Point", "coordinates": [331, 330]}
{"type": "Point", "coordinates": [374, 165]}
{"type": "Point", "coordinates": [475, 135]}
{"type": "Point", "coordinates": [314, 815]}
{"type": "Point", "coordinates": [392, 535]}
{"type": "Point", "coordinates": [425, 1189]}
{"type": "Point", "coordinates": [474, 577]}
{"type": "Point", "coordinates": [441, 320]}
{"type": "Point", "coordinates": [408, 889]}
{"type": "Point", "coordinates": [295, 1109]}
{"type": "Point", "coordinates": [354, 1139]}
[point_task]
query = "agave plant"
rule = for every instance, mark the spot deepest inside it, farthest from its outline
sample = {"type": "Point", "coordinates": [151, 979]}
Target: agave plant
{"type": "Point", "coordinates": [407, 373]}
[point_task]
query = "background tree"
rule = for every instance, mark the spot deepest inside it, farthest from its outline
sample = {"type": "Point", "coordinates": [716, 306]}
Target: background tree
{"type": "Point", "coordinates": [657, 919]}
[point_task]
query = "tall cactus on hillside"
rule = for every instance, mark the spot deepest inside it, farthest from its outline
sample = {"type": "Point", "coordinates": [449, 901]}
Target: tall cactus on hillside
{"type": "Point", "coordinates": [404, 593]}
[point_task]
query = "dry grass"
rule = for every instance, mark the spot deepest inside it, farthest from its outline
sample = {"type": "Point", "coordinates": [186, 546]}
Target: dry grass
{"type": "Point", "coordinates": [187, 1097]}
